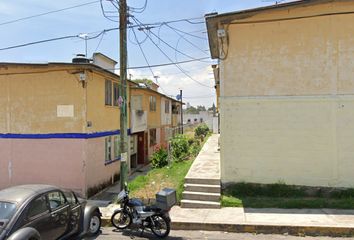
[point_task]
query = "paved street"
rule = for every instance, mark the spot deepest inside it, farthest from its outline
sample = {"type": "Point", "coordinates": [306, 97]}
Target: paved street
{"type": "Point", "coordinates": [111, 234]}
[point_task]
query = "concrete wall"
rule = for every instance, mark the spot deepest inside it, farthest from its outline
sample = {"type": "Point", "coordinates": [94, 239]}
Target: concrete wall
{"type": "Point", "coordinates": [29, 102]}
{"type": "Point", "coordinates": [51, 161]}
{"type": "Point", "coordinates": [287, 91]}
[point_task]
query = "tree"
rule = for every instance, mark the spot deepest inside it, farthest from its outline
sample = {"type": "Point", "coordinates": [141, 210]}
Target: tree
{"type": "Point", "coordinates": [191, 110]}
{"type": "Point", "coordinates": [144, 80]}
{"type": "Point", "coordinates": [201, 108]}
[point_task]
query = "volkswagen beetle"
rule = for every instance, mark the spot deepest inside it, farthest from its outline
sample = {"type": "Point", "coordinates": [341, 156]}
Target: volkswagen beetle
{"type": "Point", "coordinates": [44, 212]}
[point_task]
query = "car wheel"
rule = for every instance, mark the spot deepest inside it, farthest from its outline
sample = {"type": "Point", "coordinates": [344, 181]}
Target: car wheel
{"type": "Point", "coordinates": [95, 224]}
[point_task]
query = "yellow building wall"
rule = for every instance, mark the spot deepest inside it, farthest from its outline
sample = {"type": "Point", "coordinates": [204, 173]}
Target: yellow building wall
{"type": "Point", "coordinates": [287, 94]}
{"type": "Point", "coordinates": [154, 117]}
{"type": "Point", "coordinates": [103, 118]}
{"type": "Point", "coordinates": [28, 102]}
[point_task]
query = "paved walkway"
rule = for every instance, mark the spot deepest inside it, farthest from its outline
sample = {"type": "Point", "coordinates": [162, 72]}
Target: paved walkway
{"type": "Point", "coordinates": [317, 222]}
{"type": "Point", "coordinates": [207, 164]}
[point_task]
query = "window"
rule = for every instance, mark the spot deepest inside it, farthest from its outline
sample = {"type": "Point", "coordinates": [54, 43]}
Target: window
{"type": "Point", "coordinates": [56, 200]}
{"type": "Point", "coordinates": [116, 147]}
{"type": "Point", "coordinates": [7, 210]}
{"type": "Point", "coordinates": [167, 106]}
{"type": "Point", "coordinates": [152, 137]}
{"type": "Point", "coordinates": [152, 103]}
{"type": "Point", "coordinates": [108, 148]}
{"type": "Point", "coordinates": [115, 94]}
{"type": "Point", "coordinates": [108, 93]}
{"type": "Point", "coordinates": [38, 206]}
{"type": "Point", "coordinates": [71, 198]}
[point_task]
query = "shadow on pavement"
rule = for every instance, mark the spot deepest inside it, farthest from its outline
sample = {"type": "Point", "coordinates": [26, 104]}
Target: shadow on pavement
{"type": "Point", "coordinates": [146, 234]}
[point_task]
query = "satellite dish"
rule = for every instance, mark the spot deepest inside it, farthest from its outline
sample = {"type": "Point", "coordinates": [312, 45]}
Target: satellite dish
{"type": "Point", "coordinates": [178, 97]}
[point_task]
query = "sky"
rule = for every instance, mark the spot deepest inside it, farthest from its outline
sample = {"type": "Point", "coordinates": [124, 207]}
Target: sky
{"type": "Point", "coordinates": [165, 43]}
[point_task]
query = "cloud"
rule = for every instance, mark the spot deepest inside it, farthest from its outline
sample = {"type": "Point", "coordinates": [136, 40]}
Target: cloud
{"type": "Point", "coordinates": [171, 80]}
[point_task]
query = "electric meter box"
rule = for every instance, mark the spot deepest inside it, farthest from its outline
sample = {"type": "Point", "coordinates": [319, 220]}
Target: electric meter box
{"type": "Point", "coordinates": [166, 198]}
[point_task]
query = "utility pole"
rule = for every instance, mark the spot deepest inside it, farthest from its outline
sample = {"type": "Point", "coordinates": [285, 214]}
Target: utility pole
{"type": "Point", "coordinates": [123, 92]}
{"type": "Point", "coordinates": [180, 93]}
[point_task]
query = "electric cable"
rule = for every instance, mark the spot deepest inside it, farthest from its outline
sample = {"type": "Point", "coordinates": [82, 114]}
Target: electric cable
{"type": "Point", "coordinates": [47, 13]}
{"type": "Point", "coordinates": [190, 77]}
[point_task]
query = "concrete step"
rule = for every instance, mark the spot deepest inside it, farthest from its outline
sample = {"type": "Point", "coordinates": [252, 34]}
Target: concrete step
{"type": "Point", "coordinates": [199, 204]}
{"type": "Point", "coordinates": [190, 187]}
{"type": "Point", "coordinates": [202, 181]}
{"type": "Point", "coordinates": [201, 196]}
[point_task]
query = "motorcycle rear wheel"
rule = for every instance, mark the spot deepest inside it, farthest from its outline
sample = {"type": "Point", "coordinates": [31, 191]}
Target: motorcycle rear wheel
{"type": "Point", "coordinates": [160, 226]}
{"type": "Point", "coordinates": [121, 219]}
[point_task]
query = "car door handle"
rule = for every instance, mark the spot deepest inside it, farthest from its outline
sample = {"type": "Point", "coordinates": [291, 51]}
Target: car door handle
{"type": "Point", "coordinates": [54, 214]}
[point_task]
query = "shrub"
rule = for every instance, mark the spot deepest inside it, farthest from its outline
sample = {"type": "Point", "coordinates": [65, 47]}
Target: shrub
{"type": "Point", "coordinates": [160, 158]}
{"type": "Point", "coordinates": [180, 148]}
{"type": "Point", "coordinates": [201, 131]}
{"type": "Point", "coordinates": [195, 147]}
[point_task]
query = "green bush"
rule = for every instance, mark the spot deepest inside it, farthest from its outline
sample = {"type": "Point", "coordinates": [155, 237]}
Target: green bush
{"type": "Point", "coordinates": [180, 148]}
{"type": "Point", "coordinates": [160, 158]}
{"type": "Point", "coordinates": [195, 147]}
{"type": "Point", "coordinates": [201, 131]}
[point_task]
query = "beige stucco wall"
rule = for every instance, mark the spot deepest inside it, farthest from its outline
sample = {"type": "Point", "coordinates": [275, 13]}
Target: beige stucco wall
{"type": "Point", "coordinates": [28, 102]}
{"type": "Point", "coordinates": [287, 91]}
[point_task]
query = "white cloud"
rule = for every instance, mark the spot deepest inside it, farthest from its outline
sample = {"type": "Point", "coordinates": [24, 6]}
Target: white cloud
{"type": "Point", "coordinates": [171, 81]}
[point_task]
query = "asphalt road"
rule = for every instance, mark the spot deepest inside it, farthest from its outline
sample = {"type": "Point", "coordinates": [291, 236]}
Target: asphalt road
{"type": "Point", "coordinates": [111, 234]}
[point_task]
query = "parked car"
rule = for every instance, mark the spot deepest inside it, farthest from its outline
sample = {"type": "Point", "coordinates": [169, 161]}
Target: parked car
{"type": "Point", "coordinates": [43, 212]}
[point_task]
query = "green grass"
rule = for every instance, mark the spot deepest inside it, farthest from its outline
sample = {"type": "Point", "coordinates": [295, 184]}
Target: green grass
{"type": "Point", "coordinates": [170, 176]}
{"type": "Point", "coordinates": [285, 196]}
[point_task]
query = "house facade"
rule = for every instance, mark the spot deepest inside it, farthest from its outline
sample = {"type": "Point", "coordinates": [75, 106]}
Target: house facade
{"type": "Point", "coordinates": [59, 124]}
{"type": "Point", "coordinates": [286, 93]}
{"type": "Point", "coordinates": [155, 119]}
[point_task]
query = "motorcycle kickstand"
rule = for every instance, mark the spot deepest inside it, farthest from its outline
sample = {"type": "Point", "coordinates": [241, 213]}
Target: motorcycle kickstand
{"type": "Point", "coordinates": [142, 231]}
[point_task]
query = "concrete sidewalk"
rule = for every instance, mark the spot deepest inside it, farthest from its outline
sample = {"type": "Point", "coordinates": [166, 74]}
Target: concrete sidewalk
{"type": "Point", "coordinates": [299, 222]}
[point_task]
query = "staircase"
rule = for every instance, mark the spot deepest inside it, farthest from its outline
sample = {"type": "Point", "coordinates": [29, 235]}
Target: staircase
{"type": "Point", "coordinates": [201, 193]}
{"type": "Point", "coordinates": [202, 188]}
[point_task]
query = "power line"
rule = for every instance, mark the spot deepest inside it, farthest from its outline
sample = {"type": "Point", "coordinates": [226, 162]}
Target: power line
{"type": "Point", "coordinates": [47, 13]}
{"type": "Point", "coordinates": [166, 64]}
{"type": "Point", "coordinates": [186, 33]}
{"type": "Point", "coordinates": [137, 22]}
{"type": "Point", "coordinates": [77, 36]}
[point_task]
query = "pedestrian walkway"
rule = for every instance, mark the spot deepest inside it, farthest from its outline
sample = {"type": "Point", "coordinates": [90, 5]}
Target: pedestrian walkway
{"type": "Point", "coordinates": [202, 182]}
{"type": "Point", "coordinates": [312, 222]}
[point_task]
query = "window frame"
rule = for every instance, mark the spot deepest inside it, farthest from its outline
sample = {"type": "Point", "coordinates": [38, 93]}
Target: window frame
{"type": "Point", "coordinates": [108, 92]}
{"type": "Point", "coordinates": [153, 141]}
{"type": "Point", "coordinates": [152, 101]}
{"type": "Point", "coordinates": [32, 217]}
{"type": "Point", "coordinates": [116, 150]}
{"type": "Point", "coordinates": [59, 206]}
{"type": "Point", "coordinates": [115, 90]}
{"type": "Point", "coordinates": [167, 106]}
{"type": "Point", "coordinates": [108, 150]}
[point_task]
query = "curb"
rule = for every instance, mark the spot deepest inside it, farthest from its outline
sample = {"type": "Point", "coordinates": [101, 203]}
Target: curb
{"type": "Point", "coordinates": [267, 229]}
{"type": "Point", "coordinates": [259, 229]}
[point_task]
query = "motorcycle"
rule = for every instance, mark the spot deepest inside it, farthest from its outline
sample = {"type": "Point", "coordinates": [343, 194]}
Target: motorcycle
{"type": "Point", "coordinates": [133, 211]}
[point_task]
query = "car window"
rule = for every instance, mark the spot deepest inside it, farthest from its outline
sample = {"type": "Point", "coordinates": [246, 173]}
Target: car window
{"type": "Point", "coordinates": [71, 198]}
{"type": "Point", "coordinates": [37, 206]}
{"type": "Point", "coordinates": [7, 210]}
{"type": "Point", "coordinates": [56, 200]}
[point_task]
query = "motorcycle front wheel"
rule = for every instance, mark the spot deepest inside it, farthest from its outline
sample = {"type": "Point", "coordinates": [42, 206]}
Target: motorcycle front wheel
{"type": "Point", "coordinates": [160, 226]}
{"type": "Point", "coordinates": [121, 219]}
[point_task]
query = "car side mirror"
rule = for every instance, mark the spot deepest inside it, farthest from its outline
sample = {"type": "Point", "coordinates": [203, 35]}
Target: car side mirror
{"type": "Point", "coordinates": [25, 233]}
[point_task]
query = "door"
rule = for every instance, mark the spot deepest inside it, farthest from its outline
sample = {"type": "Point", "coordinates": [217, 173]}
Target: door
{"type": "Point", "coordinates": [38, 216]}
{"type": "Point", "coordinates": [59, 213]}
{"type": "Point", "coordinates": [75, 212]}
{"type": "Point", "coordinates": [141, 148]}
